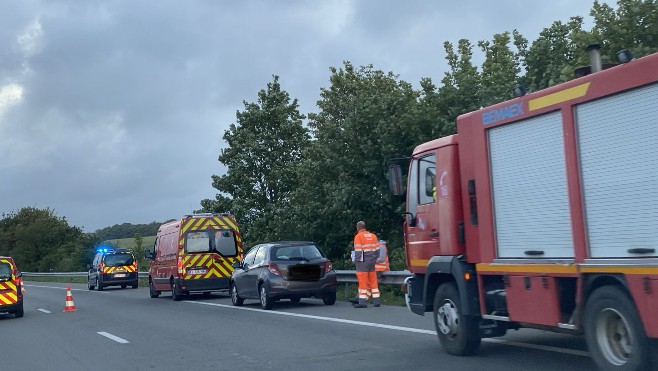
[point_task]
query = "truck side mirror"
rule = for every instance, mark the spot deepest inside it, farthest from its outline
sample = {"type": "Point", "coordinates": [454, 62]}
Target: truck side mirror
{"type": "Point", "coordinates": [237, 265]}
{"type": "Point", "coordinates": [395, 179]}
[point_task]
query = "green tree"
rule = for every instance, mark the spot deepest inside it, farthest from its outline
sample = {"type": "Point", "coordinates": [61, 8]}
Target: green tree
{"type": "Point", "coordinates": [262, 151]}
{"type": "Point", "coordinates": [461, 89]}
{"type": "Point", "coordinates": [41, 241]}
{"type": "Point", "coordinates": [501, 67]}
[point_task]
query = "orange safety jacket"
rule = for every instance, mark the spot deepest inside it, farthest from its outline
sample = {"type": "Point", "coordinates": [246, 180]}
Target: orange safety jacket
{"type": "Point", "coordinates": [365, 241]}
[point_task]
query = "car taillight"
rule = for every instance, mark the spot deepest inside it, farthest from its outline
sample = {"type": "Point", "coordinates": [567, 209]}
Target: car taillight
{"type": "Point", "coordinates": [100, 267]}
{"type": "Point", "coordinates": [328, 267]}
{"type": "Point", "coordinates": [274, 269]}
{"type": "Point", "coordinates": [180, 265]}
{"type": "Point", "coordinates": [135, 265]}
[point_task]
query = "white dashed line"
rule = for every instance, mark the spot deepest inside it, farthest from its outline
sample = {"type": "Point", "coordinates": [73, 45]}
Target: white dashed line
{"type": "Point", "coordinates": [115, 338]}
{"type": "Point", "coordinates": [43, 310]}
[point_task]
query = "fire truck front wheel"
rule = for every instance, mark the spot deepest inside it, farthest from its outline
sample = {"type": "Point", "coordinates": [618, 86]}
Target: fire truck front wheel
{"type": "Point", "coordinates": [614, 332]}
{"type": "Point", "coordinates": [458, 334]}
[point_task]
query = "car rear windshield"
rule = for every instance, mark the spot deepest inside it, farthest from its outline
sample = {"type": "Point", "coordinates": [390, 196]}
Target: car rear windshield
{"type": "Point", "coordinates": [118, 260]}
{"type": "Point", "coordinates": [297, 252]}
{"type": "Point", "coordinates": [5, 271]}
{"type": "Point", "coordinates": [221, 241]}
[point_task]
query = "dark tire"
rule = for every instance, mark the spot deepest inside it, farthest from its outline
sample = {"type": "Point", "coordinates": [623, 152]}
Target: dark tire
{"type": "Point", "coordinates": [135, 285]}
{"type": "Point", "coordinates": [266, 302]}
{"type": "Point", "coordinates": [329, 299]}
{"type": "Point", "coordinates": [175, 292]}
{"type": "Point", "coordinates": [459, 335]}
{"type": "Point", "coordinates": [235, 298]}
{"type": "Point", "coordinates": [19, 312]}
{"type": "Point", "coordinates": [99, 285]}
{"type": "Point", "coordinates": [89, 285]}
{"type": "Point", "coordinates": [124, 285]}
{"type": "Point", "coordinates": [152, 291]}
{"type": "Point", "coordinates": [614, 332]}
{"type": "Point", "coordinates": [295, 299]}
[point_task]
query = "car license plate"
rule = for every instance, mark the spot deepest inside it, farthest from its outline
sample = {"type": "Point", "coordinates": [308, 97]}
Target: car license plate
{"type": "Point", "coordinates": [197, 271]}
{"type": "Point", "coordinates": [120, 275]}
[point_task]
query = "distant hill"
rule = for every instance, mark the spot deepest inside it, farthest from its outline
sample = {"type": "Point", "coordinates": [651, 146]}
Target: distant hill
{"type": "Point", "coordinates": [129, 243]}
{"type": "Point", "coordinates": [127, 230]}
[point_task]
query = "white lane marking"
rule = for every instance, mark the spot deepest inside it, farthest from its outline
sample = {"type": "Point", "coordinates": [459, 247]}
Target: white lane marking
{"type": "Point", "coordinates": [351, 322]}
{"type": "Point", "coordinates": [43, 310]}
{"type": "Point", "coordinates": [115, 338]}
{"type": "Point", "coordinates": [60, 288]}
{"type": "Point", "coordinates": [399, 328]}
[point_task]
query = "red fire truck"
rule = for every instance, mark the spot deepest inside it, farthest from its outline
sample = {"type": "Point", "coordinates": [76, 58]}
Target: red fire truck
{"type": "Point", "coordinates": [542, 212]}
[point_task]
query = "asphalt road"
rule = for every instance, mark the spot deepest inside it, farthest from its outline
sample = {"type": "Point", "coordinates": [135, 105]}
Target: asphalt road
{"type": "Point", "coordinates": [125, 329]}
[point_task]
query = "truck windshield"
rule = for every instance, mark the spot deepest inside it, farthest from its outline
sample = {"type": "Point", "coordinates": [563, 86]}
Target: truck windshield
{"type": "Point", "coordinates": [197, 241]}
{"type": "Point", "coordinates": [5, 271]}
{"type": "Point", "coordinates": [118, 260]}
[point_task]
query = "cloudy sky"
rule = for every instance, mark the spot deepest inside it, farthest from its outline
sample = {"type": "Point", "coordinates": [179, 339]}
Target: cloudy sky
{"type": "Point", "coordinates": [113, 111]}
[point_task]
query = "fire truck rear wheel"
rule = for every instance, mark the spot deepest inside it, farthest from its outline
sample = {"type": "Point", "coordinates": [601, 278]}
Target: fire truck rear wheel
{"type": "Point", "coordinates": [614, 332]}
{"type": "Point", "coordinates": [459, 335]}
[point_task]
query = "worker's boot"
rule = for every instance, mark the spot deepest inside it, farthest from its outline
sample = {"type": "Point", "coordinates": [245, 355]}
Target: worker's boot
{"type": "Point", "coordinates": [376, 302]}
{"type": "Point", "coordinates": [353, 300]}
{"type": "Point", "coordinates": [360, 304]}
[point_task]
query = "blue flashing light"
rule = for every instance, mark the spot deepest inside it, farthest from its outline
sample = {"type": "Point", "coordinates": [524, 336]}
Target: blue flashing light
{"type": "Point", "coordinates": [103, 249]}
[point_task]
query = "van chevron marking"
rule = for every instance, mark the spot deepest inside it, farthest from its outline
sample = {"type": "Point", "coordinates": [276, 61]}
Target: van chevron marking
{"type": "Point", "coordinates": [502, 113]}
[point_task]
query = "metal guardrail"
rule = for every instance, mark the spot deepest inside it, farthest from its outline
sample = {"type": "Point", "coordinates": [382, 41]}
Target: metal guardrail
{"type": "Point", "coordinates": [343, 276]}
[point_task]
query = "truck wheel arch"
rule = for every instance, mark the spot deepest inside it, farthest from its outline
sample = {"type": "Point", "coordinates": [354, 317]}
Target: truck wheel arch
{"type": "Point", "coordinates": [442, 269]}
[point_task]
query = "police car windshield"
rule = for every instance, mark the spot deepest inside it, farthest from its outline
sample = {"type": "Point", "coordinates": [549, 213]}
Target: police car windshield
{"type": "Point", "coordinates": [197, 241]}
{"type": "Point", "coordinates": [5, 271]}
{"type": "Point", "coordinates": [301, 252]}
{"type": "Point", "coordinates": [117, 260]}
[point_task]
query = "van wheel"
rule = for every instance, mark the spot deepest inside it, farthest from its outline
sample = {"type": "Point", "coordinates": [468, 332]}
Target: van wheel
{"type": "Point", "coordinates": [235, 298]}
{"type": "Point", "coordinates": [295, 299]}
{"type": "Point", "coordinates": [614, 332]}
{"type": "Point", "coordinates": [265, 301]}
{"type": "Point", "coordinates": [89, 285]}
{"type": "Point", "coordinates": [458, 334]}
{"type": "Point", "coordinates": [19, 312]}
{"type": "Point", "coordinates": [329, 299]}
{"type": "Point", "coordinates": [152, 291]}
{"type": "Point", "coordinates": [135, 285]}
{"type": "Point", "coordinates": [175, 293]}
{"type": "Point", "coordinates": [99, 285]}
{"type": "Point", "coordinates": [124, 286]}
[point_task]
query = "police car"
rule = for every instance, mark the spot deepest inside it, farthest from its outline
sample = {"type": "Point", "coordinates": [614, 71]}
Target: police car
{"type": "Point", "coordinates": [112, 267]}
{"type": "Point", "coordinates": [11, 288]}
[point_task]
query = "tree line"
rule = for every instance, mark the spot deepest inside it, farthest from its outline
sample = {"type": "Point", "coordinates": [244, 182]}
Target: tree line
{"type": "Point", "coordinates": [312, 176]}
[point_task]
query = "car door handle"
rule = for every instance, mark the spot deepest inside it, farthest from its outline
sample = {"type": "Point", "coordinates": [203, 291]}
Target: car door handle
{"type": "Point", "coordinates": [434, 234]}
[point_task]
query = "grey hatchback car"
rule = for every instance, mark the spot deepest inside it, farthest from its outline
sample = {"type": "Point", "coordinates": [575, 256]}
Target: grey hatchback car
{"type": "Point", "coordinates": [283, 270]}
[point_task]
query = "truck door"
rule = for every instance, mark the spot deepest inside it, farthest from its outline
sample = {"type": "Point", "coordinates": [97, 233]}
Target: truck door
{"type": "Point", "coordinates": [422, 237]}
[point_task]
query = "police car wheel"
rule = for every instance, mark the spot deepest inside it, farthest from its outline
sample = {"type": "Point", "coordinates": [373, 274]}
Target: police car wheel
{"type": "Point", "coordinates": [89, 285]}
{"type": "Point", "coordinates": [99, 285]}
{"type": "Point", "coordinates": [124, 286]}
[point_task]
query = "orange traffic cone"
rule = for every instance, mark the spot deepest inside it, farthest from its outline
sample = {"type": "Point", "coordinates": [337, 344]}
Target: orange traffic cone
{"type": "Point", "coordinates": [69, 307]}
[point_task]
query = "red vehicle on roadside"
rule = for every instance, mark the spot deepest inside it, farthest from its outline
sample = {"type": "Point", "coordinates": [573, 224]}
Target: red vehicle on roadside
{"type": "Point", "coordinates": [542, 212]}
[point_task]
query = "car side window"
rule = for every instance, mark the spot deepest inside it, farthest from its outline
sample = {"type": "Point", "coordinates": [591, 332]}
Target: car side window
{"type": "Point", "coordinates": [260, 256]}
{"type": "Point", "coordinates": [249, 258]}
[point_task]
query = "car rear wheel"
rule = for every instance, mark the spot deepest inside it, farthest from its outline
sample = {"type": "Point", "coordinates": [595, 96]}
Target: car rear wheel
{"type": "Point", "coordinates": [329, 299]}
{"type": "Point", "coordinates": [152, 291]}
{"type": "Point", "coordinates": [235, 298]}
{"type": "Point", "coordinates": [265, 301]}
{"type": "Point", "coordinates": [19, 312]}
{"type": "Point", "coordinates": [99, 285]}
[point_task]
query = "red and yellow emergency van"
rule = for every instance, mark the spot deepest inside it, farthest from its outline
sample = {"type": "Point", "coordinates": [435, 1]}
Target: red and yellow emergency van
{"type": "Point", "coordinates": [11, 288]}
{"type": "Point", "coordinates": [194, 254]}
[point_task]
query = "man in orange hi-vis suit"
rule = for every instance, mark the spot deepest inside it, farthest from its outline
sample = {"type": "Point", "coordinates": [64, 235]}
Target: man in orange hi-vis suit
{"type": "Point", "coordinates": [366, 253]}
